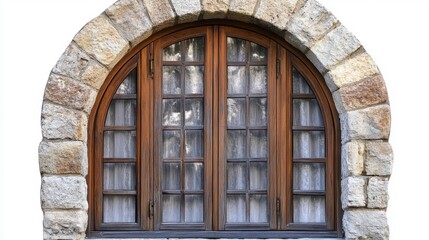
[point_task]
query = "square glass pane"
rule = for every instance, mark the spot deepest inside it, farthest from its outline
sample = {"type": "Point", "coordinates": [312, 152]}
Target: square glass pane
{"type": "Point", "coordinates": [309, 209]}
{"type": "Point", "coordinates": [119, 176]}
{"type": "Point", "coordinates": [309, 144]}
{"type": "Point", "coordinates": [129, 85]}
{"type": "Point", "coordinates": [171, 176]}
{"type": "Point", "coordinates": [236, 50]}
{"type": "Point", "coordinates": [258, 79]}
{"type": "Point", "coordinates": [258, 53]}
{"type": "Point", "coordinates": [194, 79]}
{"type": "Point", "coordinates": [171, 208]}
{"type": "Point", "coordinates": [194, 143]}
{"type": "Point", "coordinates": [258, 112]}
{"type": "Point", "coordinates": [194, 176]}
{"type": "Point", "coordinates": [171, 112]}
{"type": "Point", "coordinates": [258, 176]}
{"type": "Point", "coordinates": [119, 209]}
{"type": "Point", "coordinates": [236, 145]}
{"type": "Point", "coordinates": [119, 144]}
{"type": "Point", "coordinates": [258, 209]}
{"type": "Point", "coordinates": [194, 49]}
{"type": "Point", "coordinates": [236, 112]}
{"type": "Point", "coordinates": [171, 144]}
{"type": "Point", "coordinates": [300, 85]}
{"type": "Point", "coordinates": [306, 112]}
{"type": "Point", "coordinates": [194, 112]}
{"type": "Point", "coordinates": [237, 82]}
{"type": "Point", "coordinates": [121, 113]}
{"type": "Point", "coordinates": [171, 80]}
{"type": "Point", "coordinates": [237, 176]}
{"type": "Point", "coordinates": [309, 176]}
{"type": "Point", "coordinates": [236, 208]}
{"type": "Point", "coordinates": [258, 144]}
{"type": "Point", "coordinates": [172, 52]}
{"type": "Point", "coordinates": [194, 208]}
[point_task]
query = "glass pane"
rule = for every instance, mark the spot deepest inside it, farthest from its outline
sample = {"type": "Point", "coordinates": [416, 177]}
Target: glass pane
{"type": "Point", "coordinates": [237, 83]}
{"type": "Point", "coordinates": [194, 113]}
{"type": "Point", "coordinates": [236, 50]}
{"type": "Point", "coordinates": [258, 79]}
{"type": "Point", "coordinates": [306, 112]}
{"type": "Point", "coordinates": [194, 208]}
{"type": "Point", "coordinates": [194, 79]}
{"type": "Point", "coordinates": [258, 112]}
{"type": "Point", "coordinates": [121, 113]}
{"type": "Point", "coordinates": [171, 80]}
{"type": "Point", "coordinates": [258, 176]}
{"type": "Point", "coordinates": [194, 49]}
{"type": "Point", "coordinates": [236, 144]}
{"type": "Point", "coordinates": [194, 144]}
{"type": "Point", "coordinates": [258, 144]}
{"type": "Point", "coordinates": [119, 176]}
{"type": "Point", "coordinates": [171, 144]}
{"type": "Point", "coordinates": [194, 176]}
{"type": "Point", "coordinates": [309, 209]}
{"type": "Point", "coordinates": [128, 86]}
{"type": "Point", "coordinates": [236, 208]}
{"type": "Point", "coordinates": [257, 53]}
{"type": "Point", "coordinates": [236, 112]}
{"type": "Point", "coordinates": [171, 176]}
{"type": "Point", "coordinates": [236, 175]}
{"type": "Point", "coordinates": [258, 208]}
{"type": "Point", "coordinates": [171, 115]}
{"type": "Point", "coordinates": [119, 209]}
{"type": "Point", "coordinates": [171, 208]}
{"type": "Point", "coordinates": [299, 83]}
{"type": "Point", "coordinates": [172, 52]}
{"type": "Point", "coordinates": [309, 176]}
{"type": "Point", "coordinates": [120, 144]}
{"type": "Point", "coordinates": [310, 144]}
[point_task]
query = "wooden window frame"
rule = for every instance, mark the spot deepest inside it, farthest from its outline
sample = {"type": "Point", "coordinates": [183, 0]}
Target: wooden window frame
{"type": "Point", "coordinates": [280, 200]}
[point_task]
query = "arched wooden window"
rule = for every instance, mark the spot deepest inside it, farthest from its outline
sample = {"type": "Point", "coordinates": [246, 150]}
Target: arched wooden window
{"type": "Point", "coordinates": [214, 131]}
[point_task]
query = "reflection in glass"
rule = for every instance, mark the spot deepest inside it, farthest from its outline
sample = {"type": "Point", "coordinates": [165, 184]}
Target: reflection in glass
{"type": "Point", "coordinates": [119, 144]}
{"type": "Point", "coordinates": [128, 86]}
{"type": "Point", "coordinates": [258, 176]}
{"type": "Point", "coordinates": [258, 112]}
{"type": "Point", "coordinates": [258, 143]}
{"type": "Point", "coordinates": [309, 144]}
{"type": "Point", "coordinates": [171, 80]}
{"type": "Point", "coordinates": [194, 49]}
{"type": "Point", "coordinates": [172, 52]}
{"type": "Point", "coordinates": [258, 208]}
{"type": "Point", "coordinates": [237, 83]}
{"type": "Point", "coordinates": [194, 114]}
{"type": "Point", "coordinates": [119, 176]}
{"type": "Point", "coordinates": [306, 112]}
{"type": "Point", "coordinates": [258, 79]}
{"type": "Point", "coordinates": [119, 209]}
{"type": "Point", "coordinates": [236, 144]}
{"type": "Point", "coordinates": [171, 144]}
{"type": "Point", "coordinates": [308, 209]}
{"type": "Point", "coordinates": [257, 53]}
{"type": "Point", "coordinates": [299, 83]}
{"type": "Point", "coordinates": [194, 143]}
{"type": "Point", "coordinates": [170, 208]}
{"type": "Point", "coordinates": [194, 176]}
{"type": "Point", "coordinates": [236, 112]}
{"type": "Point", "coordinates": [194, 208]}
{"type": "Point", "coordinates": [236, 208]}
{"type": "Point", "coordinates": [236, 176]}
{"type": "Point", "coordinates": [121, 113]}
{"type": "Point", "coordinates": [171, 176]}
{"type": "Point", "coordinates": [236, 50]}
{"type": "Point", "coordinates": [171, 115]}
{"type": "Point", "coordinates": [309, 176]}
{"type": "Point", "coordinates": [194, 79]}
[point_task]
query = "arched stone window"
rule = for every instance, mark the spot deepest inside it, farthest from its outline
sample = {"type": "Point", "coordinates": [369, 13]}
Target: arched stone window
{"type": "Point", "coordinates": [215, 125]}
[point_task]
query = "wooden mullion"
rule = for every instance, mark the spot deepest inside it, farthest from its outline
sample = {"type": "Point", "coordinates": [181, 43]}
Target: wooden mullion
{"type": "Point", "coordinates": [120, 192]}
{"type": "Point", "coordinates": [119, 160]}
{"type": "Point", "coordinates": [119, 128]}
{"type": "Point", "coordinates": [309, 160]}
{"type": "Point", "coordinates": [309, 192]}
{"type": "Point", "coordinates": [124, 97]}
{"type": "Point", "coordinates": [308, 128]}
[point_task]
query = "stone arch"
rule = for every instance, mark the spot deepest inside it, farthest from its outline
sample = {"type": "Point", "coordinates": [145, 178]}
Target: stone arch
{"type": "Point", "coordinates": [356, 84]}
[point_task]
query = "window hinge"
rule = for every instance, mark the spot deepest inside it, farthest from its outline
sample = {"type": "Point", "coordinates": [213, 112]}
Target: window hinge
{"type": "Point", "coordinates": [278, 68]}
{"type": "Point", "coordinates": [278, 207]}
{"type": "Point", "coordinates": [151, 204]}
{"type": "Point", "coordinates": [151, 66]}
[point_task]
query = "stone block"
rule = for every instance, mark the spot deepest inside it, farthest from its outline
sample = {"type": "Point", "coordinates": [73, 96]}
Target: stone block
{"type": "Point", "coordinates": [352, 70]}
{"type": "Point", "coordinates": [215, 8]}
{"type": "Point", "coordinates": [62, 123]}
{"type": "Point", "coordinates": [72, 63]}
{"type": "Point", "coordinates": [130, 19]}
{"type": "Point", "coordinates": [377, 190]}
{"type": "Point", "coordinates": [187, 10]}
{"type": "Point", "coordinates": [94, 75]}
{"type": "Point", "coordinates": [369, 92]}
{"type": "Point", "coordinates": [161, 13]}
{"type": "Point", "coordinates": [275, 12]}
{"type": "Point", "coordinates": [68, 92]}
{"type": "Point", "coordinates": [353, 192]}
{"type": "Point", "coordinates": [366, 124]}
{"type": "Point", "coordinates": [101, 40]}
{"type": "Point", "coordinates": [241, 10]}
{"type": "Point", "coordinates": [63, 158]}
{"type": "Point", "coordinates": [64, 192]}
{"type": "Point", "coordinates": [352, 159]}
{"type": "Point", "coordinates": [333, 48]}
{"type": "Point", "coordinates": [62, 224]}
{"type": "Point", "coordinates": [308, 25]}
{"type": "Point", "coordinates": [378, 158]}
{"type": "Point", "coordinates": [365, 224]}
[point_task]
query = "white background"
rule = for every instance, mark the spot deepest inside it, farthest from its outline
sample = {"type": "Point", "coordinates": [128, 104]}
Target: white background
{"type": "Point", "coordinates": [34, 34]}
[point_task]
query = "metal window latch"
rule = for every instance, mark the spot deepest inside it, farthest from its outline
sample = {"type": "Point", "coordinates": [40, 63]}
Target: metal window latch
{"type": "Point", "coordinates": [151, 204]}
{"type": "Point", "coordinates": [151, 66]}
{"type": "Point", "coordinates": [278, 67]}
{"type": "Point", "coordinates": [278, 206]}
